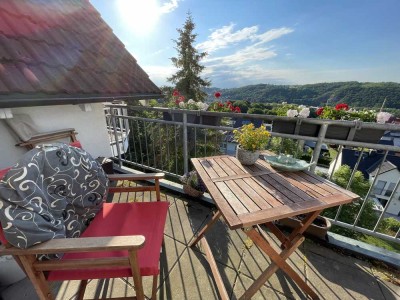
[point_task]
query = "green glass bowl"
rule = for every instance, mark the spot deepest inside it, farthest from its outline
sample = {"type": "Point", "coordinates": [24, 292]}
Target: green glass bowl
{"type": "Point", "coordinates": [293, 166]}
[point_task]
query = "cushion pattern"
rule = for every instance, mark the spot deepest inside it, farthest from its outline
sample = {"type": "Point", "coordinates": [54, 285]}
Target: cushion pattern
{"type": "Point", "coordinates": [54, 191]}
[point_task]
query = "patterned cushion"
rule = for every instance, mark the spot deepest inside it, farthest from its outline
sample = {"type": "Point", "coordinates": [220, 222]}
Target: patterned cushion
{"type": "Point", "coordinates": [54, 191]}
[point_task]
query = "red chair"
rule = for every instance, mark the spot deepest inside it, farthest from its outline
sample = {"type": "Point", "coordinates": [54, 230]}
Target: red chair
{"type": "Point", "coordinates": [123, 240]}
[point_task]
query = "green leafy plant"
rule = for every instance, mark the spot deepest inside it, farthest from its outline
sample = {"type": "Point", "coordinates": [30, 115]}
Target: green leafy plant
{"type": "Point", "coordinates": [251, 138]}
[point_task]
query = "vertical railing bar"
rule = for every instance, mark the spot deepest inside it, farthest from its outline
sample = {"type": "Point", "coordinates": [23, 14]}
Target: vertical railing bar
{"type": "Point", "coordinates": [205, 142]}
{"type": "Point", "coordinates": [140, 143]}
{"type": "Point", "coordinates": [133, 141]}
{"type": "Point", "coordinates": [154, 148]}
{"type": "Point", "coordinates": [387, 205]}
{"type": "Point", "coordinates": [147, 144]}
{"type": "Point", "coordinates": [370, 189]}
{"type": "Point", "coordinates": [336, 160]}
{"type": "Point", "coordinates": [129, 141]}
{"type": "Point", "coordinates": [195, 142]}
{"type": "Point", "coordinates": [318, 146]}
{"type": "Point", "coordinates": [160, 142]}
{"type": "Point", "coordinates": [185, 144]}
{"type": "Point", "coordinates": [351, 179]}
{"type": "Point", "coordinates": [116, 137]}
{"type": "Point", "coordinates": [397, 234]}
{"type": "Point", "coordinates": [167, 140]}
{"type": "Point", "coordinates": [176, 152]}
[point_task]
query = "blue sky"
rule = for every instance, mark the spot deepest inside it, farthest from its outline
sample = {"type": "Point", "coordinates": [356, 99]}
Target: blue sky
{"type": "Point", "coordinates": [265, 41]}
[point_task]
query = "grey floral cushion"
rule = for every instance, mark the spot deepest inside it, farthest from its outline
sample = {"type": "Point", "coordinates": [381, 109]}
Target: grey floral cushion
{"type": "Point", "coordinates": [54, 191]}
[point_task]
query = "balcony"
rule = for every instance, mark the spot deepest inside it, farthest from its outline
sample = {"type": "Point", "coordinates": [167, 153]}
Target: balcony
{"type": "Point", "coordinates": [185, 273]}
{"type": "Point", "coordinates": [138, 145]}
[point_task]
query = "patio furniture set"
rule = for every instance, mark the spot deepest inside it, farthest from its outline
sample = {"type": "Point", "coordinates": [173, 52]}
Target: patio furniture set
{"type": "Point", "coordinates": [124, 239]}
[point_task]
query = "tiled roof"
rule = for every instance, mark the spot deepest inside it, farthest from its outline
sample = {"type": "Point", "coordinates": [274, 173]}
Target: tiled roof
{"type": "Point", "coordinates": [63, 48]}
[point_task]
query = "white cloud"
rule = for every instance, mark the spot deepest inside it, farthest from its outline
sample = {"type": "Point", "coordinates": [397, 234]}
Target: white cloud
{"type": "Point", "coordinates": [159, 74]}
{"type": "Point", "coordinates": [169, 6]}
{"type": "Point", "coordinates": [242, 56]}
{"type": "Point", "coordinates": [272, 34]}
{"type": "Point", "coordinates": [224, 36]}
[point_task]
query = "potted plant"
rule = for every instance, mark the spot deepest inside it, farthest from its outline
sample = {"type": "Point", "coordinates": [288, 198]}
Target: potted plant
{"type": "Point", "coordinates": [218, 106]}
{"type": "Point", "coordinates": [342, 112]}
{"type": "Point", "coordinates": [318, 228]}
{"type": "Point", "coordinates": [289, 126]}
{"type": "Point", "coordinates": [179, 101]}
{"type": "Point", "coordinates": [250, 141]}
{"type": "Point", "coordinates": [192, 184]}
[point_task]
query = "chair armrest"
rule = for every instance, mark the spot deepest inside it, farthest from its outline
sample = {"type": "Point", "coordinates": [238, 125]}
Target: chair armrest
{"type": "Point", "coordinates": [88, 244]}
{"type": "Point", "coordinates": [136, 176]}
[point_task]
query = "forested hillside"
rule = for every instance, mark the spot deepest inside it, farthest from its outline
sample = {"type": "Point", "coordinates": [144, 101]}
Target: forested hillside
{"type": "Point", "coordinates": [356, 94]}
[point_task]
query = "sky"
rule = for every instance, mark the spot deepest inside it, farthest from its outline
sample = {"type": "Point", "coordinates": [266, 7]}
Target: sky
{"type": "Point", "coordinates": [264, 41]}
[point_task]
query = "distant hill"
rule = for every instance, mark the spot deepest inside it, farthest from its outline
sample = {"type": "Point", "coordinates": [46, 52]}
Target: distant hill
{"type": "Point", "coordinates": [356, 94]}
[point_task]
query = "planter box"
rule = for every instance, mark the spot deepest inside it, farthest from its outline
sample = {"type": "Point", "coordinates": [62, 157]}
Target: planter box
{"type": "Point", "coordinates": [210, 120]}
{"type": "Point", "coordinates": [318, 228]}
{"type": "Point", "coordinates": [177, 117]}
{"type": "Point", "coordinates": [289, 127]}
{"type": "Point", "coordinates": [364, 135]}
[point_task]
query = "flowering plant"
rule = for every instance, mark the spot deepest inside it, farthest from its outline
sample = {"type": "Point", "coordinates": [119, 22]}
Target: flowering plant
{"type": "Point", "coordinates": [342, 112]}
{"type": "Point", "coordinates": [251, 138]}
{"type": "Point", "coordinates": [223, 107]}
{"type": "Point", "coordinates": [179, 101]}
{"type": "Point", "coordinates": [193, 180]}
{"type": "Point", "coordinates": [302, 112]}
{"type": "Point", "coordinates": [384, 117]}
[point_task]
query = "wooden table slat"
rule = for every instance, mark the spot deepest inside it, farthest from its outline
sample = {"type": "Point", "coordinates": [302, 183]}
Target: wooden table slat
{"type": "Point", "coordinates": [227, 167]}
{"type": "Point", "coordinates": [241, 176]}
{"type": "Point", "coordinates": [233, 166]}
{"type": "Point", "coordinates": [306, 186]}
{"type": "Point", "coordinates": [214, 163]}
{"type": "Point", "coordinates": [233, 201]}
{"type": "Point", "coordinates": [208, 168]}
{"type": "Point", "coordinates": [242, 196]}
{"type": "Point", "coordinates": [292, 188]}
{"type": "Point", "coordinates": [279, 195]}
{"type": "Point", "coordinates": [267, 197]}
{"type": "Point", "coordinates": [259, 200]}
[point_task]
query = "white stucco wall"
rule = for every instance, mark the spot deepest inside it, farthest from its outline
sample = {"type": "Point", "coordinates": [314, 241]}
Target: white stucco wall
{"type": "Point", "coordinates": [391, 176]}
{"type": "Point", "coordinates": [91, 128]}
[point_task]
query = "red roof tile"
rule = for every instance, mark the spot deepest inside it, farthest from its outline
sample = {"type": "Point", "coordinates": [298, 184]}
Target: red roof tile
{"type": "Point", "coordinates": [64, 48]}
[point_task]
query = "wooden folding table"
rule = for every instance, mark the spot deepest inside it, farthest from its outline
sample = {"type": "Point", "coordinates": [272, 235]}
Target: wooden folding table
{"type": "Point", "coordinates": [250, 196]}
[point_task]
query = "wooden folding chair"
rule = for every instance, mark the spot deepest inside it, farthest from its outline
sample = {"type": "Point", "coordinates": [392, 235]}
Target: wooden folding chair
{"type": "Point", "coordinates": [123, 240]}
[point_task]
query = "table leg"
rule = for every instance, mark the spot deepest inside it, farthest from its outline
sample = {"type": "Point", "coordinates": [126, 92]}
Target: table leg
{"type": "Point", "coordinates": [278, 261]}
{"type": "Point", "coordinates": [207, 227]}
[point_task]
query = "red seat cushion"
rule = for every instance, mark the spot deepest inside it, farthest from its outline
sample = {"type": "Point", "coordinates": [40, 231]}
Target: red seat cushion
{"type": "Point", "coordinates": [76, 144]}
{"type": "Point", "coordinates": [144, 218]}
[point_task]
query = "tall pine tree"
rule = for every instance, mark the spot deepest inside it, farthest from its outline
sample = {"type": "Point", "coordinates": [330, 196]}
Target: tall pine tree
{"type": "Point", "coordinates": [187, 79]}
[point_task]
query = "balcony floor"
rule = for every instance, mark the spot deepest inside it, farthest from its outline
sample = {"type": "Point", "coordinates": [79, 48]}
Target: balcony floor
{"type": "Point", "coordinates": [185, 273]}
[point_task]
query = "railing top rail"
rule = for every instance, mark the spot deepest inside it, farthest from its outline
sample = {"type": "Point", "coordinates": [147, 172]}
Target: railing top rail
{"type": "Point", "coordinates": [358, 124]}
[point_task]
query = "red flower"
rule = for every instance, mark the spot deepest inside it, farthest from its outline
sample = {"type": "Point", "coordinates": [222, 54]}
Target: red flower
{"type": "Point", "coordinates": [175, 93]}
{"type": "Point", "coordinates": [220, 104]}
{"type": "Point", "coordinates": [181, 98]}
{"type": "Point", "coordinates": [217, 95]}
{"type": "Point", "coordinates": [342, 106]}
{"type": "Point", "coordinates": [237, 109]}
{"type": "Point", "coordinates": [319, 111]}
{"type": "Point", "coordinates": [228, 103]}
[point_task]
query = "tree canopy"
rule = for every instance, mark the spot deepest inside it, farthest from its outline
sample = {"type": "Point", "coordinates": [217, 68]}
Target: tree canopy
{"type": "Point", "coordinates": [187, 79]}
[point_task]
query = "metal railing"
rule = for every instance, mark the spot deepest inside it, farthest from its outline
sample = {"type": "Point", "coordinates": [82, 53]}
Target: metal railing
{"type": "Point", "coordinates": [164, 140]}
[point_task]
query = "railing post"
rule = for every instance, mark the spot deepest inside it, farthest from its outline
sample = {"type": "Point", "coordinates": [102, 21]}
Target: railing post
{"type": "Point", "coordinates": [318, 145]}
{"type": "Point", "coordinates": [185, 143]}
{"type": "Point", "coordinates": [112, 112]}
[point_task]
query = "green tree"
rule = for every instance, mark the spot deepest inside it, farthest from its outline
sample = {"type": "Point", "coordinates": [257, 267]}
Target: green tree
{"type": "Point", "coordinates": [187, 79]}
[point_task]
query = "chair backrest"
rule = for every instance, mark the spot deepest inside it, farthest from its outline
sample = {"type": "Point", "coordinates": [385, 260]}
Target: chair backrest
{"type": "Point", "coordinates": [54, 191]}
